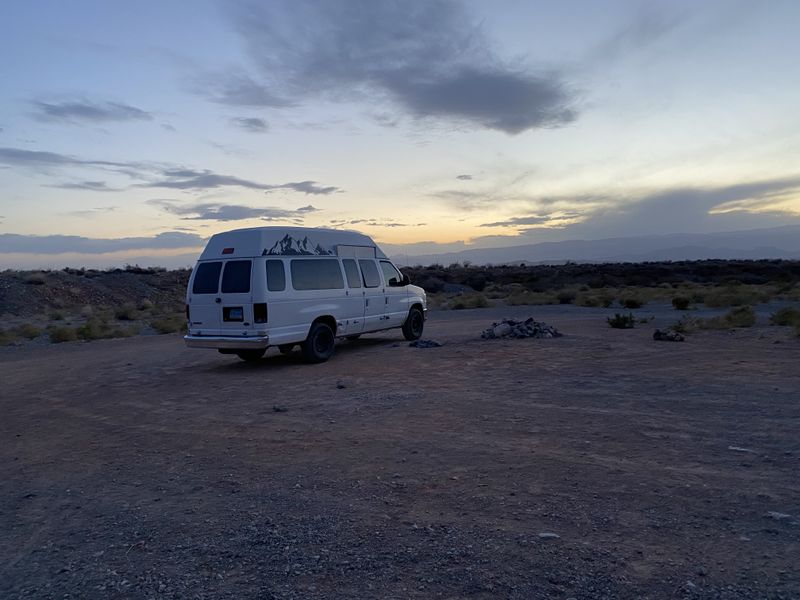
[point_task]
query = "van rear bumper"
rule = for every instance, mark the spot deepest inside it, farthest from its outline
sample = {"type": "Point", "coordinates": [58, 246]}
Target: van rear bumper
{"type": "Point", "coordinates": [226, 342]}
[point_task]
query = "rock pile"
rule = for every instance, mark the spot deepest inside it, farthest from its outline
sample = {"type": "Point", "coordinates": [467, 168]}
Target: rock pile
{"type": "Point", "coordinates": [509, 328]}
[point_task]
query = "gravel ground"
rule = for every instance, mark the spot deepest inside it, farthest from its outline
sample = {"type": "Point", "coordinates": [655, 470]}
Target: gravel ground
{"type": "Point", "coordinates": [601, 464]}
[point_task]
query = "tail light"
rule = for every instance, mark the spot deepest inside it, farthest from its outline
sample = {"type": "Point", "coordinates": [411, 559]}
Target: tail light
{"type": "Point", "coordinates": [260, 312]}
{"type": "Point", "coordinates": [188, 318]}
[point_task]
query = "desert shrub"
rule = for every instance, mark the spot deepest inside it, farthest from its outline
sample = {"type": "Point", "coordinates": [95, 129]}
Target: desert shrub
{"type": "Point", "coordinates": [631, 302]}
{"type": "Point", "coordinates": [786, 316]}
{"type": "Point", "coordinates": [681, 303]}
{"type": "Point", "coordinates": [57, 315]}
{"type": "Point", "coordinates": [7, 337]}
{"type": "Point", "coordinates": [35, 279]}
{"type": "Point", "coordinates": [169, 324]}
{"type": "Point", "coordinates": [738, 295]}
{"type": "Point", "coordinates": [619, 321]}
{"type": "Point", "coordinates": [126, 312]}
{"type": "Point", "coordinates": [477, 281]}
{"type": "Point", "coordinates": [28, 331]}
{"type": "Point", "coordinates": [145, 304]}
{"type": "Point", "coordinates": [469, 301]}
{"type": "Point", "coordinates": [566, 296]}
{"type": "Point", "coordinates": [686, 325]}
{"type": "Point", "coordinates": [527, 297]}
{"type": "Point", "coordinates": [62, 334]}
{"type": "Point", "coordinates": [87, 311]}
{"type": "Point", "coordinates": [743, 316]}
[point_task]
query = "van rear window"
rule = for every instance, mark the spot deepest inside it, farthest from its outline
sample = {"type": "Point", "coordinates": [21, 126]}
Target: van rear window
{"type": "Point", "coordinates": [317, 274]}
{"type": "Point", "coordinates": [236, 277]}
{"type": "Point", "coordinates": [206, 278]}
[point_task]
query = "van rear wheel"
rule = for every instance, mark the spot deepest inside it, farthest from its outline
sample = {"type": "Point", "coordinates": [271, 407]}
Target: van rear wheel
{"type": "Point", "coordinates": [319, 344]}
{"type": "Point", "coordinates": [251, 355]}
{"type": "Point", "coordinates": [415, 322]}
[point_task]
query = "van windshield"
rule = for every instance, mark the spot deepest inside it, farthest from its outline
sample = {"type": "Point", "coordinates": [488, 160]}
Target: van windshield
{"type": "Point", "coordinates": [206, 278]}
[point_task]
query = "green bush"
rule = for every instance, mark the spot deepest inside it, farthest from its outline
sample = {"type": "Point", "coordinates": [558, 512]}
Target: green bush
{"type": "Point", "coordinates": [469, 301]}
{"type": "Point", "coordinates": [631, 302]}
{"type": "Point", "coordinates": [126, 312]}
{"type": "Point", "coordinates": [786, 316]}
{"type": "Point", "coordinates": [28, 331]}
{"type": "Point", "coordinates": [739, 295]}
{"type": "Point", "coordinates": [681, 303]}
{"type": "Point", "coordinates": [169, 324]}
{"type": "Point", "coordinates": [619, 321]}
{"type": "Point", "coordinates": [62, 334]}
{"type": "Point", "coordinates": [565, 297]}
{"type": "Point", "coordinates": [743, 316]}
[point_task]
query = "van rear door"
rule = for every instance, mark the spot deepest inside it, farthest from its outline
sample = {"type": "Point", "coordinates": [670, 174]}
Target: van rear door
{"type": "Point", "coordinates": [203, 299]}
{"type": "Point", "coordinates": [236, 306]}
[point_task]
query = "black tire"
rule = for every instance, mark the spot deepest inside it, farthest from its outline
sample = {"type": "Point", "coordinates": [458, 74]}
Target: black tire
{"type": "Point", "coordinates": [251, 355]}
{"type": "Point", "coordinates": [415, 323]}
{"type": "Point", "coordinates": [320, 343]}
{"type": "Point", "coordinates": [286, 348]}
{"type": "Point", "coordinates": [353, 338]}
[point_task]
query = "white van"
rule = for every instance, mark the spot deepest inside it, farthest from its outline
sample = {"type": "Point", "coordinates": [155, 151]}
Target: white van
{"type": "Point", "coordinates": [279, 286]}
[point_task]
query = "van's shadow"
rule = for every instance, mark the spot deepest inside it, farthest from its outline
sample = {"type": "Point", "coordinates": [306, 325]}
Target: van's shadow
{"type": "Point", "coordinates": [275, 360]}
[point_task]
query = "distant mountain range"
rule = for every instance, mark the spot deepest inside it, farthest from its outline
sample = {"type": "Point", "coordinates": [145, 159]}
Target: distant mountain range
{"type": "Point", "coordinates": [778, 242]}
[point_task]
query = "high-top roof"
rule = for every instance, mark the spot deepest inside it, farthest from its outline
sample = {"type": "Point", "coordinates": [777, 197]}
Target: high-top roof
{"type": "Point", "coordinates": [289, 241]}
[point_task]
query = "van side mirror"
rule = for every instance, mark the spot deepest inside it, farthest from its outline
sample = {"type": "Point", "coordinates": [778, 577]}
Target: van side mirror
{"type": "Point", "coordinates": [405, 280]}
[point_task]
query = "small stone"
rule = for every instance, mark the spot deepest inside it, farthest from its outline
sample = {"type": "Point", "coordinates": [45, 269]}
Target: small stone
{"type": "Point", "coordinates": [279, 409]}
{"type": "Point", "coordinates": [548, 535]}
{"type": "Point", "coordinates": [340, 385]}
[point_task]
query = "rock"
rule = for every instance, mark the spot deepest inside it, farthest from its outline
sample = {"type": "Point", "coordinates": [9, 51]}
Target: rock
{"type": "Point", "coordinates": [277, 408]}
{"type": "Point", "coordinates": [667, 336]}
{"type": "Point", "coordinates": [340, 385]}
{"type": "Point", "coordinates": [549, 535]}
{"type": "Point", "coordinates": [424, 344]}
{"type": "Point", "coordinates": [501, 330]}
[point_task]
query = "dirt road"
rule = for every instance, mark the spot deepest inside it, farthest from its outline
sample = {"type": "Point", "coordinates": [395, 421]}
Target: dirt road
{"type": "Point", "coordinates": [597, 465]}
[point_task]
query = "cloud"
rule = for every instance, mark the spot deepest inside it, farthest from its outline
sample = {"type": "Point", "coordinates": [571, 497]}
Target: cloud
{"type": "Point", "coordinates": [241, 90]}
{"type": "Point", "coordinates": [189, 179]}
{"type": "Point", "coordinates": [94, 112]}
{"type": "Point", "coordinates": [57, 244]}
{"type": "Point", "coordinates": [94, 186]}
{"type": "Point", "coordinates": [464, 177]}
{"type": "Point", "coordinates": [231, 212]}
{"type": "Point", "coordinates": [251, 124]}
{"type": "Point", "coordinates": [155, 175]}
{"type": "Point", "coordinates": [37, 159]}
{"type": "Point", "coordinates": [92, 212]}
{"type": "Point", "coordinates": [427, 58]}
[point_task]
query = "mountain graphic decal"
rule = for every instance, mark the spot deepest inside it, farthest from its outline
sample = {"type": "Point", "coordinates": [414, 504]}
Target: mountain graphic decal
{"type": "Point", "coordinates": [292, 247]}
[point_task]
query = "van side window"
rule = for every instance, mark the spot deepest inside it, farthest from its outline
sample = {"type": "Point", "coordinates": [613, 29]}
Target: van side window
{"type": "Point", "coordinates": [317, 274]}
{"type": "Point", "coordinates": [390, 272]}
{"type": "Point", "coordinates": [370, 271]}
{"type": "Point", "coordinates": [351, 270]}
{"type": "Point", "coordinates": [276, 276]}
{"type": "Point", "coordinates": [206, 278]}
{"type": "Point", "coordinates": [236, 277]}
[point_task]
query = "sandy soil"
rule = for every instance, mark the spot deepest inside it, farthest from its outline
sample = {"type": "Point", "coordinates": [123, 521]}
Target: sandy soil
{"type": "Point", "coordinates": [597, 465]}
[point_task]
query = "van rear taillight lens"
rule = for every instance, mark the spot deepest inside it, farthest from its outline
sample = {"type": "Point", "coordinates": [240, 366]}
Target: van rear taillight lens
{"type": "Point", "coordinates": [260, 312]}
{"type": "Point", "coordinates": [188, 318]}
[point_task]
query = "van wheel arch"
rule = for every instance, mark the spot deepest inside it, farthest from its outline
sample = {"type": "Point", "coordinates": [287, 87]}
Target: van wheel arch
{"type": "Point", "coordinates": [320, 343]}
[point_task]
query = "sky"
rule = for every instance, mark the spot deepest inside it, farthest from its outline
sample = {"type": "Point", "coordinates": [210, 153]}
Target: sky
{"type": "Point", "coordinates": [132, 131]}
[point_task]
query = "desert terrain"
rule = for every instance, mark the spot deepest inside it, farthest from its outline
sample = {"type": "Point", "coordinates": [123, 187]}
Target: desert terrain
{"type": "Point", "coordinates": [601, 464]}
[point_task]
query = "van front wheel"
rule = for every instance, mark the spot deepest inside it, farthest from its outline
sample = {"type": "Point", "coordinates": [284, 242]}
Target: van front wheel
{"type": "Point", "coordinates": [415, 322]}
{"type": "Point", "coordinates": [319, 344]}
